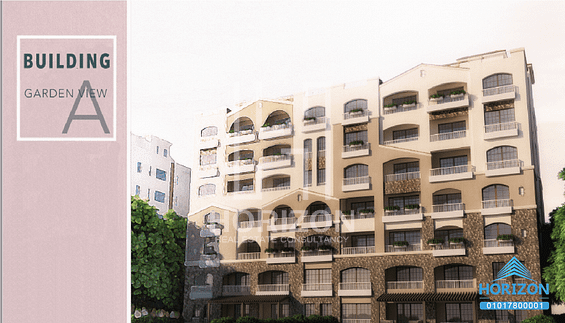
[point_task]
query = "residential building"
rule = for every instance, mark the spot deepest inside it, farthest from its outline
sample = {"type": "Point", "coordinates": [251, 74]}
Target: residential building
{"type": "Point", "coordinates": [370, 201]}
{"type": "Point", "coordinates": [156, 177]}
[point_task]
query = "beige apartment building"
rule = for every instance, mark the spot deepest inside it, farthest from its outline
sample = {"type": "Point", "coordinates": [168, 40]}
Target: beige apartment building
{"type": "Point", "coordinates": [370, 201]}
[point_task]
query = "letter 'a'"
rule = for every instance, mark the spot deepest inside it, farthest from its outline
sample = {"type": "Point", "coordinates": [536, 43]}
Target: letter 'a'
{"type": "Point", "coordinates": [98, 116]}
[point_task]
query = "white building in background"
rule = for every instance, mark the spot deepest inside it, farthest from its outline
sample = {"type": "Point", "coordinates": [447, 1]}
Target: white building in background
{"type": "Point", "coordinates": [156, 177]}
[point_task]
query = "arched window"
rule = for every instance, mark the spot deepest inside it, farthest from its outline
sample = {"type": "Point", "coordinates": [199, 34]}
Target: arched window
{"type": "Point", "coordinates": [355, 275]}
{"type": "Point", "coordinates": [497, 80]}
{"type": "Point", "coordinates": [358, 170]}
{"type": "Point", "coordinates": [307, 162]}
{"type": "Point", "coordinates": [492, 231]}
{"type": "Point", "coordinates": [356, 105]}
{"type": "Point", "coordinates": [503, 153]}
{"type": "Point", "coordinates": [207, 189]}
{"type": "Point", "coordinates": [209, 131]}
{"type": "Point", "coordinates": [242, 124]}
{"type": "Point", "coordinates": [316, 241]}
{"type": "Point", "coordinates": [249, 246]}
{"type": "Point", "coordinates": [282, 211]}
{"type": "Point", "coordinates": [278, 117]}
{"type": "Point", "coordinates": [212, 217]}
{"type": "Point", "coordinates": [457, 272]}
{"type": "Point", "coordinates": [315, 112]}
{"type": "Point", "coordinates": [321, 164]}
{"type": "Point", "coordinates": [496, 192]}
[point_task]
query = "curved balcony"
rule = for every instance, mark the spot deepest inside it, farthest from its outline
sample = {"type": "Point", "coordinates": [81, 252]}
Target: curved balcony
{"type": "Point", "coordinates": [275, 131]}
{"type": "Point", "coordinates": [355, 117]}
{"type": "Point", "coordinates": [496, 207]}
{"type": "Point", "coordinates": [503, 167]}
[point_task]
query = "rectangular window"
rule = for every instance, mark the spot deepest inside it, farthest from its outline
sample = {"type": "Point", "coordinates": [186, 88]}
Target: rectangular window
{"type": "Point", "coordinates": [453, 161]}
{"type": "Point", "coordinates": [402, 201]}
{"type": "Point", "coordinates": [307, 162]}
{"type": "Point", "coordinates": [240, 186]}
{"type": "Point", "coordinates": [363, 241]}
{"type": "Point", "coordinates": [149, 194]}
{"type": "Point", "coordinates": [159, 196]}
{"type": "Point", "coordinates": [165, 152]}
{"type": "Point", "coordinates": [139, 167]}
{"type": "Point", "coordinates": [447, 92]}
{"type": "Point", "coordinates": [448, 234]}
{"type": "Point", "coordinates": [355, 312]}
{"type": "Point", "coordinates": [321, 164]}
{"type": "Point", "coordinates": [447, 199]}
{"type": "Point", "coordinates": [406, 168]}
{"type": "Point", "coordinates": [161, 174]}
{"type": "Point", "coordinates": [309, 309]}
{"type": "Point", "coordinates": [499, 116]}
{"type": "Point", "coordinates": [413, 237]}
{"type": "Point", "coordinates": [405, 134]}
{"type": "Point", "coordinates": [137, 190]}
{"type": "Point", "coordinates": [452, 127]}
{"type": "Point", "coordinates": [400, 101]}
{"type": "Point", "coordinates": [285, 310]}
{"type": "Point", "coordinates": [208, 157]}
{"type": "Point", "coordinates": [410, 312]}
{"type": "Point", "coordinates": [326, 309]}
{"type": "Point", "coordinates": [281, 182]}
{"type": "Point", "coordinates": [157, 150]}
{"type": "Point", "coordinates": [356, 136]}
{"type": "Point", "coordinates": [150, 169]}
{"type": "Point", "coordinates": [274, 311]}
{"type": "Point", "coordinates": [459, 312]}
{"type": "Point", "coordinates": [358, 206]}
{"type": "Point", "coordinates": [318, 276]}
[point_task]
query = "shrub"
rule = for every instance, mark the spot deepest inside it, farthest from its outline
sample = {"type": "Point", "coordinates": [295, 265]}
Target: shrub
{"type": "Point", "coordinates": [367, 211]}
{"type": "Point", "coordinates": [270, 250]}
{"type": "Point", "coordinates": [248, 319]}
{"type": "Point", "coordinates": [390, 105]}
{"type": "Point", "coordinates": [346, 212]}
{"type": "Point", "coordinates": [436, 96]}
{"type": "Point", "coordinates": [305, 248]}
{"type": "Point", "coordinates": [458, 92]}
{"type": "Point", "coordinates": [356, 110]}
{"type": "Point", "coordinates": [411, 206]}
{"type": "Point", "coordinates": [330, 319]}
{"type": "Point", "coordinates": [356, 142]}
{"type": "Point", "coordinates": [400, 243]}
{"type": "Point", "coordinates": [232, 131]}
{"type": "Point", "coordinates": [310, 118]}
{"type": "Point", "coordinates": [409, 102]}
{"type": "Point", "coordinates": [457, 240]}
{"type": "Point", "coordinates": [505, 237]}
{"type": "Point", "coordinates": [266, 125]}
{"type": "Point", "coordinates": [224, 320]}
{"type": "Point", "coordinates": [539, 319]}
{"type": "Point", "coordinates": [435, 241]}
{"type": "Point", "coordinates": [392, 208]}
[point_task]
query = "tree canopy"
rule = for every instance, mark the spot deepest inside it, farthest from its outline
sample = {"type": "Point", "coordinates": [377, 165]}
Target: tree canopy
{"type": "Point", "coordinates": [157, 256]}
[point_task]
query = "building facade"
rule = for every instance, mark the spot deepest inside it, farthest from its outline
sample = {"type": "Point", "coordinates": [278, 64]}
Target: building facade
{"type": "Point", "coordinates": [156, 177]}
{"type": "Point", "coordinates": [370, 201]}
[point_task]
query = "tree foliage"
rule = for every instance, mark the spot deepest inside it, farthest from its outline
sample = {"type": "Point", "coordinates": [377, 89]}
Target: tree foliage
{"type": "Point", "coordinates": [157, 256]}
{"type": "Point", "coordinates": [554, 273]}
{"type": "Point", "coordinates": [291, 319]}
{"type": "Point", "coordinates": [539, 319]}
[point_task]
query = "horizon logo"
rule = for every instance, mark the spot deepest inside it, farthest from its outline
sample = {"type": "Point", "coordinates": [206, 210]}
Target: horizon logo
{"type": "Point", "coordinates": [514, 268]}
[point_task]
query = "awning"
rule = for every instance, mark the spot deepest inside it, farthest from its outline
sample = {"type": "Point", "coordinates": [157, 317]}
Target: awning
{"type": "Point", "coordinates": [250, 299]}
{"type": "Point", "coordinates": [427, 297]}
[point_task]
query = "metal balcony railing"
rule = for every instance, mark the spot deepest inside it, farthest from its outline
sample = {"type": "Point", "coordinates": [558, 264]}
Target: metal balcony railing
{"type": "Point", "coordinates": [401, 176]}
{"type": "Point", "coordinates": [398, 141]}
{"type": "Point", "coordinates": [357, 180]}
{"type": "Point", "coordinates": [449, 98]}
{"type": "Point", "coordinates": [248, 255]}
{"type": "Point", "coordinates": [496, 203]}
{"type": "Point", "coordinates": [273, 287]}
{"type": "Point", "coordinates": [276, 188]}
{"type": "Point", "coordinates": [355, 286]}
{"type": "Point", "coordinates": [316, 120]}
{"type": "Point", "coordinates": [448, 135]}
{"type": "Point", "coordinates": [281, 255]}
{"type": "Point", "coordinates": [499, 90]}
{"type": "Point", "coordinates": [348, 148]}
{"type": "Point", "coordinates": [276, 127]}
{"type": "Point", "coordinates": [400, 108]}
{"type": "Point", "coordinates": [410, 247]}
{"type": "Point", "coordinates": [448, 245]}
{"type": "Point", "coordinates": [358, 216]}
{"type": "Point", "coordinates": [468, 283]}
{"type": "Point", "coordinates": [357, 250]}
{"type": "Point", "coordinates": [351, 115]}
{"type": "Point", "coordinates": [236, 289]}
{"type": "Point", "coordinates": [451, 170]}
{"type": "Point", "coordinates": [274, 158]}
{"type": "Point", "coordinates": [250, 224]}
{"type": "Point", "coordinates": [241, 133]}
{"type": "Point", "coordinates": [403, 212]}
{"type": "Point", "coordinates": [317, 287]}
{"type": "Point", "coordinates": [241, 162]}
{"type": "Point", "coordinates": [283, 221]}
{"type": "Point", "coordinates": [448, 207]}
{"type": "Point", "coordinates": [494, 243]}
{"type": "Point", "coordinates": [501, 127]}
{"type": "Point", "coordinates": [311, 253]}
{"type": "Point", "coordinates": [504, 164]}
{"type": "Point", "coordinates": [405, 285]}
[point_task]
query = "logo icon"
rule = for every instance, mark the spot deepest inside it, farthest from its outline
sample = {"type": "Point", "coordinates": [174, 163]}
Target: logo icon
{"type": "Point", "coordinates": [514, 268]}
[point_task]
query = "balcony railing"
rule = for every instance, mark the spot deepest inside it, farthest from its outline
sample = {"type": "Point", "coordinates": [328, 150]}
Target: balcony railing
{"type": "Point", "coordinates": [241, 162]}
{"type": "Point", "coordinates": [499, 90]}
{"type": "Point", "coordinates": [449, 98]}
{"type": "Point", "coordinates": [497, 203]}
{"type": "Point", "coordinates": [469, 283]}
{"type": "Point", "coordinates": [317, 287]}
{"type": "Point", "coordinates": [236, 290]}
{"type": "Point", "coordinates": [504, 164]}
{"type": "Point", "coordinates": [451, 170]}
{"type": "Point", "coordinates": [316, 120]}
{"type": "Point", "coordinates": [400, 108]}
{"type": "Point", "coordinates": [357, 180]}
{"type": "Point", "coordinates": [317, 218]}
{"type": "Point", "coordinates": [358, 216]}
{"type": "Point", "coordinates": [398, 141]}
{"type": "Point", "coordinates": [501, 127]}
{"type": "Point", "coordinates": [448, 207]}
{"type": "Point", "coordinates": [448, 135]}
{"type": "Point", "coordinates": [357, 250]}
{"type": "Point", "coordinates": [241, 133]}
{"type": "Point", "coordinates": [248, 255]}
{"type": "Point", "coordinates": [250, 224]}
{"type": "Point", "coordinates": [410, 247]}
{"type": "Point", "coordinates": [283, 221]}
{"type": "Point", "coordinates": [405, 285]}
{"type": "Point", "coordinates": [348, 148]}
{"type": "Point", "coordinates": [448, 245]}
{"type": "Point", "coordinates": [401, 176]}
{"type": "Point", "coordinates": [494, 243]}
{"type": "Point", "coordinates": [277, 188]}
{"type": "Point", "coordinates": [273, 287]}
{"type": "Point", "coordinates": [402, 212]}
{"type": "Point", "coordinates": [311, 253]}
{"type": "Point", "coordinates": [351, 115]}
{"type": "Point", "coordinates": [281, 255]}
{"type": "Point", "coordinates": [276, 127]}
{"type": "Point", "coordinates": [355, 286]}
{"type": "Point", "coordinates": [274, 158]}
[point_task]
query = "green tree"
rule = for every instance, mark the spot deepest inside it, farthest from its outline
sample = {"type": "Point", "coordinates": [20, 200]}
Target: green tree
{"type": "Point", "coordinates": [554, 273]}
{"type": "Point", "coordinates": [539, 319]}
{"type": "Point", "coordinates": [157, 255]}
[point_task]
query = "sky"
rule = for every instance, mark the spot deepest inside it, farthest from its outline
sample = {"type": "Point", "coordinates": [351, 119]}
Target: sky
{"type": "Point", "coordinates": [188, 57]}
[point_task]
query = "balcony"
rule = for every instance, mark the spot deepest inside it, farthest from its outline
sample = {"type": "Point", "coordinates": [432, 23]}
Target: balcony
{"type": "Point", "coordinates": [451, 173]}
{"type": "Point", "coordinates": [240, 166]}
{"type": "Point", "coordinates": [356, 117]}
{"type": "Point", "coordinates": [448, 135]}
{"type": "Point", "coordinates": [317, 255]}
{"type": "Point", "coordinates": [316, 124]}
{"type": "Point", "coordinates": [236, 290]}
{"type": "Point", "coordinates": [241, 137]}
{"type": "Point", "coordinates": [248, 255]}
{"type": "Point", "coordinates": [496, 207]}
{"type": "Point", "coordinates": [408, 248]}
{"type": "Point", "coordinates": [272, 289]}
{"type": "Point", "coordinates": [358, 222]}
{"type": "Point", "coordinates": [501, 130]}
{"type": "Point", "coordinates": [275, 131]}
{"type": "Point", "coordinates": [400, 108]}
{"type": "Point", "coordinates": [504, 167]}
{"type": "Point", "coordinates": [281, 258]}
{"type": "Point", "coordinates": [249, 224]}
{"type": "Point", "coordinates": [275, 161]}
{"type": "Point", "coordinates": [357, 250]}
{"type": "Point", "coordinates": [448, 102]}
{"type": "Point", "coordinates": [446, 211]}
{"type": "Point", "coordinates": [507, 92]}
{"type": "Point", "coordinates": [450, 285]}
{"type": "Point", "coordinates": [350, 151]}
{"type": "Point", "coordinates": [399, 141]}
{"type": "Point", "coordinates": [449, 249]}
{"type": "Point", "coordinates": [354, 289]}
{"type": "Point", "coordinates": [495, 247]}
{"type": "Point", "coordinates": [320, 221]}
{"type": "Point", "coordinates": [317, 290]}
{"type": "Point", "coordinates": [208, 143]}
{"type": "Point", "coordinates": [402, 176]}
{"type": "Point", "coordinates": [404, 286]}
{"type": "Point", "coordinates": [403, 215]}
{"type": "Point", "coordinates": [282, 224]}
{"type": "Point", "coordinates": [208, 171]}
{"type": "Point", "coordinates": [200, 292]}
{"type": "Point", "coordinates": [356, 184]}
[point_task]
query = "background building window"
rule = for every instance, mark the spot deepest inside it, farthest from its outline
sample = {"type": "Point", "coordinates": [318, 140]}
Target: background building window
{"type": "Point", "coordinates": [160, 174]}
{"type": "Point", "coordinates": [165, 152]}
{"type": "Point", "coordinates": [137, 190]}
{"type": "Point", "coordinates": [139, 167]}
{"type": "Point", "coordinates": [157, 150]}
{"type": "Point", "coordinates": [207, 189]}
{"type": "Point", "coordinates": [208, 157]}
{"type": "Point", "coordinates": [307, 162]}
{"type": "Point", "coordinates": [321, 164]}
{"type": "Point", "coordinates": [159, 196]}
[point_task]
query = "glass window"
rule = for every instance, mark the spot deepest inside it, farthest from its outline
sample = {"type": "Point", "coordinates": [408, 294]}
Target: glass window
{"type": "Point", "coordinates": [448, 234]}
{"type": "Point", "coordinates": [413, 237]}
{"type": "Point", "coordinates": [502, 153]}
{"type": "Point", "coordinates": [453, 161]}
{"type": "Point", "coordinates": [447, 198]}
{"type": "Point", "coordinates": [492, 231]}
{"type": "Point", "coordinates": [356, 275]}
{"type": "Point", "coordinates": [281, 182]}
{"type": "Point", "coordinates": [358, 170]}
{"type": "Point", "coordinates": [160, 174]}
{"type": "Point", "coordinates": [137, 190]}
{"type": "Point", "coordinates": [406, 168]}
{"type": "Point", "coordinates": [451, 127]}
{"type": "Point", "coordinates": [355, 312]}
{"type": "Point", "coordinates": [149, 194]}
{"type": "Point", "coordinates": [309, 309]}
{"type": "Point", "coordinates": [409, 274]}
{"type": "Point", "coordinates": [326, 309]}
{"type": "Point", "coordinates": [405, 134]}
{"type": "Point", "coordinates": [356, 207]}
{"type": "Point", "coordinates": [307, 162]}
{"type": "Point", "coordinates": [321, 165]}
{"type": "Point", "coordinates": [157, 150]}
{"type": "Point", "coordinates": [139, 167]}
{"type": "Point", "coordinates": [409, 312]}
{"type": "Point", "coordinates": [159, 196]}
{"type": "Point", "coordinates": [497, 80]}
{"type": "Point", "coordinates": [318, 276]}
{"type": "Point", "coordinates": [457, 272]}
{"type": "Point", "coordinates": [356, 136]}
{"type": "Point", "coordinates": [402, 201]}
{"type": "Point", "coordinates": [240, 186]}
{"type": "Point", "coordinates": [499, 116]}
{"type": "Point", "coordinates": [209, 131]}
{"type": "Point", "coordinates": [285, 310]}
{"type": "Point", "coordinates": [207, 189]}
{"type": "Point", "coordinates": [447, 92]}
{"type": "Point", "coordinates": [165, 152]}
{"type": "Point", "coordinates": [360, 104]}
{"type": "Point", "coordinates": [459, 312]}
{"type": "Point", "coordinates": [496, 192]}
{"type": "Point", "coordinates": [399, 101]}
{"type": "Point", "coordinates": [315, 112]}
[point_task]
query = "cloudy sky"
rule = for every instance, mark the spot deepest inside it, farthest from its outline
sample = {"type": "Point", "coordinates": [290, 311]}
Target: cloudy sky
{"type": "Point", "coordinates": [188, 57]}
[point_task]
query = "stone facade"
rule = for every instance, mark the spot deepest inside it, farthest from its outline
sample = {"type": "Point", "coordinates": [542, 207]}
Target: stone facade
{"type": "Point", "coordinates": [403, 186]}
